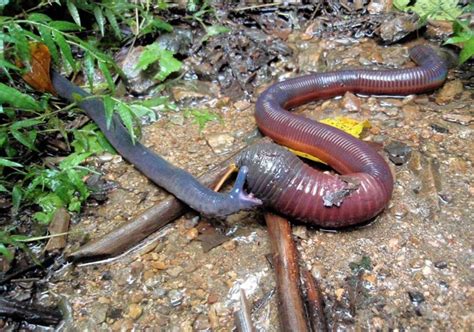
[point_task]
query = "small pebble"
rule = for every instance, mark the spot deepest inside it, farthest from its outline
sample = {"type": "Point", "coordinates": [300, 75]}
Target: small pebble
{"type": "Point", "coordinates": [229, 245]}
{"type": "Point", "coordinates": [398, 153]}
{"type": "Point", "coordinates": [220, 143]}
{"type": "Point", "coordinates": [441, 265]}
{"type": "Point", "coordinates": [176, 297]}
{"type": "Point", "coordinates": [134, 311]}
{"type": "Point", "coordinates": [159, 265]}
{"type": "Point", "coordinates": [416, 297]}
{"type": "Point", "coordinates": [175, 271]}
{"type": "Point", "coordinates": [350, 102]}
{"type": "Point", "coordinates": [449, 91]}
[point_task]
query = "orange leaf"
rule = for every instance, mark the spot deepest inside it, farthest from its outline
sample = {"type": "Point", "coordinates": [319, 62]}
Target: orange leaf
{"type": "Point", "coordinates": [39, 77]}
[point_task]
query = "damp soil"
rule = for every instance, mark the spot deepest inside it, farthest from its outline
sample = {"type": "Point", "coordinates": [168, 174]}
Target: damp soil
{"type": "Point", "coordinates": [417, 254]}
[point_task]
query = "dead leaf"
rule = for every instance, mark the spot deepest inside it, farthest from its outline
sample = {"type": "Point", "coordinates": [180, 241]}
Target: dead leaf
{"type": "Point", "coordinates": [39, 77]}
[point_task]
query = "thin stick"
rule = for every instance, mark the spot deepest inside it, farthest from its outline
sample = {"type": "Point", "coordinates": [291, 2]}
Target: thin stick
{"type": "Point", "coordinates": [285, 263]}
{"type": "Point", "coordinates": [243, 317]}
{"type": "Point", "coordinates": [129, 234]}
{"type": "Point", "coordinates": [231, 169]}
{"type": "Point", "coordinates": [314, 302]}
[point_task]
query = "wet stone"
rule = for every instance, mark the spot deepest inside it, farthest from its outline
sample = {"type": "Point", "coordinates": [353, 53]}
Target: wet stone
{"type": "Point", "coordinates": [176, 297]}
{"type": "Point", "coordinates": [439, 129]}
{"type": "Point", "coordinates": [379, 6]}
{"type": "Point", "coordinates": [114, 313]}
{"type": "Point", "coordinates": [194, 89]}
{"type": "Point", "coordinates": [398, 27]}
{"type": "Point", "coordinates": [99, 312]}
{"type": "Point", "coordinates": [416, 297]}
{"type": "Point", "coordinates": [441, 265]}
{"type": "Point", "coordinates": [201, 323]}
{"type": "Point", "coordinates": [158, 292]}
{"type": "Point", "coordinates": [449, 92]}
{"type": "Point", "coordinates": [134, 311]}
{"type": "Point", "coordinates": [459, 118]}
{"type": "Point", "coordinates": [437, 29]}
{"type": "Point", "coordinates": [139, 81]}
{"type": "Point", "coordinates": [398, 152]}
{"type": "Point", "coordinates": [350, 102]}
{"type": "Point", "coordinates": [220, 143]}
{"type": "Point", "coordinates": [107, 275]}
{"type": "Point", "coordinates": [175, 271]}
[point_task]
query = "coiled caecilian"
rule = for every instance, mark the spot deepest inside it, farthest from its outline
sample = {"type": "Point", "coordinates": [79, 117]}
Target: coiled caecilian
{"type": "Point", "coordinates": [364, 185]}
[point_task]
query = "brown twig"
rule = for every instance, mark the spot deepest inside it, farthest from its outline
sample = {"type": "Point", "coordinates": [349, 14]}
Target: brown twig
{"type": "Point", "coordinates": [314, 302]}
{"type": "Point", "coordinates": [285, 263]}
{"type": "Point", "coordinates": [22, 311]}
{"type": "Point", "coordinates": [59, 224]}
{"type": "Point", "coordinates": [132, 232]}
{"type": "Point", "coordinates": [243, 316]}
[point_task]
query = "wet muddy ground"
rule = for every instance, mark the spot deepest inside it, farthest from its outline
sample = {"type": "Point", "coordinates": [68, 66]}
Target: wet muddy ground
{"type": "Point", "coordinates": [417, 254]}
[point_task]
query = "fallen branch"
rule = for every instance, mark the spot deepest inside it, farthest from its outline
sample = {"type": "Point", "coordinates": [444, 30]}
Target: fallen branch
{"type": "Point", "coordinates": [285, 264]}
{"type": "Point", "coordinates": [21, 311]}
{"type": "Point", "coordinates": [132, 232]}
{"type": "Point", "coordinates": [314, 302]}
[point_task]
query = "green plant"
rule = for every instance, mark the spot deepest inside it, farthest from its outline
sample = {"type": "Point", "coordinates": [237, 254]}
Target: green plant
{"type": "Point", "coordinates": [198, 15]}
{"type": "Point", "coordinates": [448, 10]}
{"type": "Point", "coordinates": [28, 120]}
{"type": "Point", "coordinates": [201, 116]}
{"type": "Point", "coordinates": [18, 242]}
{"type": "Point", "coordinates": [155, 53]}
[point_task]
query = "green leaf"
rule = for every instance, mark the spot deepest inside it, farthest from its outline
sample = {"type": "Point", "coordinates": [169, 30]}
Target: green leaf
{"type": "Point", "coordinates": [76, 180]}
{"type": "Point", "coordinates": [142, 111]}
{"type": "Point", "coordinates": [74, 205]}
{"type": "Point", "coordinates": [5, 252]}
{"type": "Point", "coordinates": [15, 98]}
{"type": "Point", "coordinates": [467, 52]}
{"type": "Point", "coordinates": [99, 17]}
{"type": "Point", "coordinates": [74, 12]}
{"type": "Point", "coordinates": [90, 139]}
{"type": "Point", "coordinates": [155, 101]}
{"type": "Point", "coordinates": [113, 23]}
{"type": "Point", "coordinates": [3, 189]}
{"type": "Point", "coordinates": [433, 9]}
{"type": "Point", "coordinates": [109, 105]}
{"type": "Point", "coordinates": [21, 43]}
{"type": "Point", "coordinates": [48, 40]}
{"type": "Point", "coordinates": [27, 139]}
{"type": "Point", "coordinates": [9, 65]}
{"type": "Point", "coordinates": [150, 55]}
{"type": "Point", "coordinates": [73, 160]}
{"type": "Point", "coordinates": [401, 4]}
{"type": "Point", "coordinates": [3, 138]}
{"type": "Point", "coordinates": [9, 163]}
{"type": "Point", "coordinates": [65, 49]}
{"type": "Point", "coordinates": [215, 30]}
{"type": "Point", "coordinates": [126, 115]}
{"type": "Point", "coordinates": [108, 77]}
{"type": "Point", "coordinates": [25, 124]}
{"type": "Point", "coordinates": [64, 26]}
{"type": "Point", "coordinates": [168, 64]}
{"type": "Point", "coordinates": [48, 203]}
{"type": "Point", "coordinates": [458, 39]}
{"type": "Point", "coordinates": [17, 195]}
{"type": "Point", "coordinates": [201, 117]}
{"type": "Point", "coordinates": [39, 18]}
{"type": "Point", "coordinates": [89, 69]}
{"type": "Point", "coordinates": [161, 25]}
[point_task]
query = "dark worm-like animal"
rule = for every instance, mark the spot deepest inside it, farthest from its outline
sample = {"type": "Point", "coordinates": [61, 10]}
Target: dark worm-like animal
{"type": "Point", "coordinates": [175, 180]}
{"type": "Point", "coordinates": [365, 185]}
